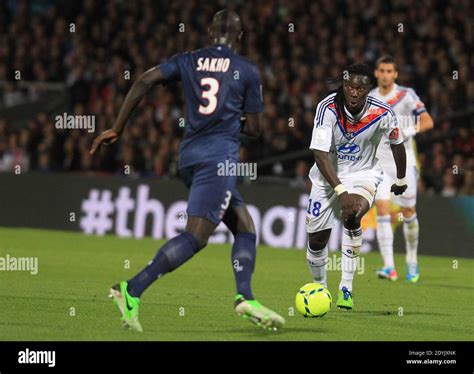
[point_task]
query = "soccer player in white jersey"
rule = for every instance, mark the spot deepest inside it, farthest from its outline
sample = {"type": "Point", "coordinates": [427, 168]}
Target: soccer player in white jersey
{"type": "Point", "coordinates": [348, 126]}
{"type": "Point", "coordinates": [412, 118]}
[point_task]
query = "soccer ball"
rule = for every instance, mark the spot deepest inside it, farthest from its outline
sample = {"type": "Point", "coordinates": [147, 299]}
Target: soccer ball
{"type": "Point", "coordinates": [313, 300]}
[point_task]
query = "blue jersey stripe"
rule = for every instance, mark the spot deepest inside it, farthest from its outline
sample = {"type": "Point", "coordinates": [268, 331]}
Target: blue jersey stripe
{"type": "Point", "coordinates": [322, 108]}
{"type": "Point", "coordinates": [321, 115]}
{"type": "Point", "coordinates": [371, 123]}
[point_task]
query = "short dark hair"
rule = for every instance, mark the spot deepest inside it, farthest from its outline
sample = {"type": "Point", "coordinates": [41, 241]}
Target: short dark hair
{"type": "Point", "coordinates": [386, 59]}
{"type": "Point", "coordinates": [226, 24]}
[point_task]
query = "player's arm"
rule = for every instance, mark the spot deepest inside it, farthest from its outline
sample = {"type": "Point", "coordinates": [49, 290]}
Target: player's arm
{"type": "Point", "coordinates": [251, 125]}
{"type": "Point", "coordinates": [425, 122]}
{"type": "Point", "coordinates": [251, 119]}
{"type": "Point", "coordinates": [400, 157]}
{"type": "Point", "coordinates": [320, 144]}
{"type": "Point", "coordinates": [349, 204]}
{"type": "Point", "coordinates": [139, 88]}
{"type": "Point", "coordinates": [324, 165]}
{"type": "Point", "coordinates": [399, 154]}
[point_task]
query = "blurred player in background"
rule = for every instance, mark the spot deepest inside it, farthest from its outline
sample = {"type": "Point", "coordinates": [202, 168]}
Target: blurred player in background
{"type": "Point", "coordinates": [412, 118]}
{"type": "Point", "coordinates": [348, 127]}
{"type": "Point", "coordinates": [219, 86]}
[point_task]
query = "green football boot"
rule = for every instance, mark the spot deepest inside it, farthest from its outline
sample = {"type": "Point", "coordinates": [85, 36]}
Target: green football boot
{"type": "Point", "coordinates": [258, 314]}
{"type": "Point", "coordinates": [345, 299]}
{"type": "Point", "coordinates": [128, 306]}
{"type": "Point", "coordinates": [413, 273]}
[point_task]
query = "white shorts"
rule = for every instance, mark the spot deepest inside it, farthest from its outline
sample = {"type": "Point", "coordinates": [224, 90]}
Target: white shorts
{"type": "Point", "coordinates": [323, 204]}
{"type": "Point", "coordinates": [408, 198]}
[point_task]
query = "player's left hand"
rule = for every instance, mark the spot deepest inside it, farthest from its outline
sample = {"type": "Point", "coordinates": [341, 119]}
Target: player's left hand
{"type": "Point", "coordinates": [398, 190]}
{"type": "Point", "coordinates": [107, 137]}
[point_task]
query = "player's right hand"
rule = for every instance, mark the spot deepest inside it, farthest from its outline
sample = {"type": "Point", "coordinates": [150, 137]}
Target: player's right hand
{"type": "Point", "coordinates": [398, 190]}
{"type": "Point", "coordinates": [107, 137]}
{"type": "Point", "coordinates": [350, 205]}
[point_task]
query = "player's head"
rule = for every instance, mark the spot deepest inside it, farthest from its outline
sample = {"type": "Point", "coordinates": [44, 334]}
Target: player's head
{"type": "Point", "coordinates": [386, 71]}
{"type": "Point", "coordinates": [226, 28]}
{"type": "Point", "coordinates": [357, 80]}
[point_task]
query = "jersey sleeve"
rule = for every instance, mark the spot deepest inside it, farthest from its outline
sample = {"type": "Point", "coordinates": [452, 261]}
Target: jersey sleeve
{"type": "Point", "coordinates": [253, 100]}
{"type": "Point", "coordinates": [323, 127]}
{"type": "Point", "coordinates": [391, 129]}
{"type": "Point", "coordinates": [415, 104]}
{"type": "Point", "coordinates": [171, 68]}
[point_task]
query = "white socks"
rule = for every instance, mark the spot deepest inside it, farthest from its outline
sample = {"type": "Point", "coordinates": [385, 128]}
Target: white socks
{"type": "Point", "coordinates": [411, 231]}
{"type": "Point", "coordinates": [351, 243]}
{"type": "Point", "coordinates": [385, 240]}
{"type": "Point", "coordinates": [317, 261]}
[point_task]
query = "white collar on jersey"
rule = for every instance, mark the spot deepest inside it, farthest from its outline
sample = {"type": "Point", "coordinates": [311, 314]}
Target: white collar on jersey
{"type": "Point", "coordinates": [358, 116]}
{"type": "Point", "coordinates": [388, 95]}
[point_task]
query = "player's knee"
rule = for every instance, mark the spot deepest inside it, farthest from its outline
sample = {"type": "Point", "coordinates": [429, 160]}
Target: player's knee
{"type": "Point", "coordinates": [383, 208]}
{"type": "Point", "coordinates": [317, 243]}
{"type": "Point", "coordinates": [352, 222]}
{"type": "Point", "coordinates": [408, 212]}
{"type": "Point", "coordinates": [245, 228]}
{"type": "Point", "coordinates": [202, 242]}
{"type": "Point", "coordinates": [245, 223]}
{"type": "Point", "coordinates": [199, 241]}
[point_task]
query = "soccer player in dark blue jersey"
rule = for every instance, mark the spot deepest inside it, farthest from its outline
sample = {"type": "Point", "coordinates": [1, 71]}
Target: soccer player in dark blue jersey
{"type": "Point", "coordinates": [220, 88]}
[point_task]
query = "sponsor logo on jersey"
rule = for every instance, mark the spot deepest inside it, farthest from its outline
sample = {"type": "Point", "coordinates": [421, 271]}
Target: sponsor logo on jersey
{"type": "Point", "coordinates": [348, 148]}
{"type": "Point", "coordinates": [348, 151]}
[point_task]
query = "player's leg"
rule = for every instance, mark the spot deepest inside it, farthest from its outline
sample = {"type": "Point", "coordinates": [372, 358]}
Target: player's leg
{"type": "Point", "coordinates": [319, 221]}
{"type": "Point", "coordinates": [240, 223]}
{"type": "Point", "coordinates": [206, 204]}
{"type": "Point", "coordinates": [205, 196]}
{"type": "Point", "coordinates": [237, 218]}
{"type": "Point", "coordinates": [174, 253]}
{"type": "Point", "coordinates": [170, 256]}
{"type": "Point", "coordinates": [384, 229]}
{"type": "Point", "coordinates": [351, 244]}
{"type": "Point", "coordinates": [411, 230]}
{"type": "Point", "coordinates": [317, 255]}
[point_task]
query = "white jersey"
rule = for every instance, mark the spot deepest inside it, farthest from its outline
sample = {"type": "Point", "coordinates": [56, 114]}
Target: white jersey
{"type": "Point", "coordinates": [352, 149]}
{"type": "Point", "coordinates": [407, 106]}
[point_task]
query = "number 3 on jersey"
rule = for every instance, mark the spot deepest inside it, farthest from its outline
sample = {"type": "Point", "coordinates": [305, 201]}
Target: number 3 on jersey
{"type": "Point", "coordinates": [209, 94]}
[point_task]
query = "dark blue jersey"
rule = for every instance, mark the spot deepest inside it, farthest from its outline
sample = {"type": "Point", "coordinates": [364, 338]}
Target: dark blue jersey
{"type": "Point", "coordinates": [218, 86]}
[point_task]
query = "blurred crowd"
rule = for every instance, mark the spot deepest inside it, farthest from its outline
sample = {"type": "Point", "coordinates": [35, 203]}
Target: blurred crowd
{"type": "Point", "coordinates": [98, 48]}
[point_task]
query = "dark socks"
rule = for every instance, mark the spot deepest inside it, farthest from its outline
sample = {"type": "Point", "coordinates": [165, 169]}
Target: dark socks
{"type": "Point", "coordinates": [243, 262]}
{"type": "Point", "coordinates": [173, 254]}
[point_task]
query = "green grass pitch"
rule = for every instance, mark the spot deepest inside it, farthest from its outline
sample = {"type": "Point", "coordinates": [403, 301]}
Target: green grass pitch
{"type": "Point", "coordinates": [196, 301]}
